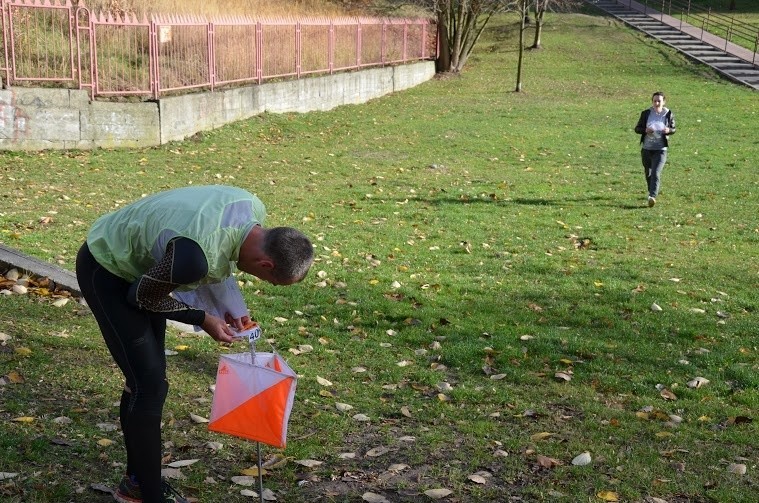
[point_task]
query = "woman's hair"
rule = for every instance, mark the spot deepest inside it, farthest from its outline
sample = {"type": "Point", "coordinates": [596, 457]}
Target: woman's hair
{"type": "Point", "coordinates": [658, 93]}
{"type": "Point", "coordinates": [290, 250]}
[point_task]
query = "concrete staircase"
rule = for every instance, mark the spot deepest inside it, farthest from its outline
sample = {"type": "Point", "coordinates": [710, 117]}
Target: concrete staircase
{"type": "Point", "coordinates": [729, 65]}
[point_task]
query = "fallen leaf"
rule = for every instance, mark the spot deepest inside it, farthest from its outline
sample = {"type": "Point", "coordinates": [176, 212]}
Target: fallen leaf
{"type": "Point", "coordinates": [253, 471]}
{"type": "Point", "coordinates": [343, 407]}
{"type": "Point", "coordinates": [172, 473]}
{"type": "Point", "coordinates": [15, 377]}
{"type": "Point", "coordinates": [547, 462]}
{"type": "Point", "coordinates": [477, 479]}
{"type": "Point", "coordinates": [377, 451]}
{"type": "Point", "coordinates": [668, 395]}
{"type": "Point", "coordinates": [7, 475]}
{"type": "Point", "coordinates": [244, 480]}
{"type": "Point", "coordinates": [274, 461]}
{"type": "Point", "coordinates": [697, 382]}
{"type": "Point", "coordinates": [308, 463]}
{"type": "Point", "coordinates": [323, 381]}
{"type": "Point", "coordinates": [582, 459]}
{"type": "Point", "coordinates": [107, 426]}
{"type": "Point", "coordinates": [608, 495]}
{"type": "Point", "coordinates": [438, 493]}
{"type": "Point", "coordinates": [182, 463]}
{"type": "Point", "coordinates": [374, 498]}
{"type": "Point", "coordinates": [737, 468]}
{"type": "Point", "coordinates": [563, 376]}
{"type": "Point", "coordinates": [23, 419]}
{"type": "Point", "coordinates": [198, 419]}
{"type": "Point", "coordinates": [540, 436]}
{"type": "Point", "coordinates": [105, 442]}
{"type": "Point", "coordinates": [23, 351]}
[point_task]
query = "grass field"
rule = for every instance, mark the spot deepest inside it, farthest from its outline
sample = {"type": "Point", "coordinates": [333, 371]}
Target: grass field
{"type": "Point", "coordinates": [487, 269]}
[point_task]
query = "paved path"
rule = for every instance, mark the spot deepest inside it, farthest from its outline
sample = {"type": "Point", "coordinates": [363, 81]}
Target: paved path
{"type": "Point", "coordinates": [737, 63]}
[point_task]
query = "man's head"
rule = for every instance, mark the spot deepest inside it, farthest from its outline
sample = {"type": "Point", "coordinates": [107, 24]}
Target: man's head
{"type": "Point", "coordinates": [280, 255]}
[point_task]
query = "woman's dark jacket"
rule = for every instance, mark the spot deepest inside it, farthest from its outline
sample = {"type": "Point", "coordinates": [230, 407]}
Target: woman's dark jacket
{"type": "Point", "coordinates": [669, 120]}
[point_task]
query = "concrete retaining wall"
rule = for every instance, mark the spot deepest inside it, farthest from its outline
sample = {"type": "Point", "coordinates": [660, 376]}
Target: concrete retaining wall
{"type": "Point", "coordinates": [36, 119]}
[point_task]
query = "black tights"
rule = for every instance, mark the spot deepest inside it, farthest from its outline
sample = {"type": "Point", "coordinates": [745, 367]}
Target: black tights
{"type": "Point", "coordinates": [135, 339]}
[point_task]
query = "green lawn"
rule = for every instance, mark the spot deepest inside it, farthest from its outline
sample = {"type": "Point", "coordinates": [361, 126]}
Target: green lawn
{"type": "Point", "coordinates": [486, 272]}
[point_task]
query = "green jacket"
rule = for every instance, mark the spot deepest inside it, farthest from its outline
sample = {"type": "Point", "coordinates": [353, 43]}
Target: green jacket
{"type": "Point", "coordinates": [130, 240]}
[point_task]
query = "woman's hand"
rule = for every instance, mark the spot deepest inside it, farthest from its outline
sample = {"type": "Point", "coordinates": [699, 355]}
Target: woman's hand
{"type": "Point", "coordinates": [218, 329]}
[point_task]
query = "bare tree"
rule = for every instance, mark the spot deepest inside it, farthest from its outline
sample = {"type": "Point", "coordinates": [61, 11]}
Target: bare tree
{"type": "Point", "coordinates": [460, 24]}
{"type": "Point", "coordinates": [523, 7]}
{"type": "Point", "coordinates": [540, 7]}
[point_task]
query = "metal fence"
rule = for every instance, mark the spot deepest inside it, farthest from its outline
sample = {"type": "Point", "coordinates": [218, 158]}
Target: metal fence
{"type": "Point", "coordinates": [56, 43]}
{"type": "Point", "coordinates": [708, 21]}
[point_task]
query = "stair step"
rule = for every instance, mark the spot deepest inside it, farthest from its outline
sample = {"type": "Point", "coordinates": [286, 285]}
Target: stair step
{"type": "Point", "coordinates": [731, 66]}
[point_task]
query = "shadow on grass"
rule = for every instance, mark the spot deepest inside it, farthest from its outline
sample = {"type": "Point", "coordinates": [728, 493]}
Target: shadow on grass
{"type": "Point", "coordinates": [525, 201]}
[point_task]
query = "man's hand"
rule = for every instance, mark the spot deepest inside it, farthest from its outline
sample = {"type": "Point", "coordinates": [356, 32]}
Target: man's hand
{"type": "Point", "coordinates": [218, 329]}
{"type": "Point", "coordinates": [237, 323]}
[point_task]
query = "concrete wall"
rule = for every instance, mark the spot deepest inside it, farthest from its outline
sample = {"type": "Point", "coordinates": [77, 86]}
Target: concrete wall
{"type": "Point", "coordinates": [36, 119]}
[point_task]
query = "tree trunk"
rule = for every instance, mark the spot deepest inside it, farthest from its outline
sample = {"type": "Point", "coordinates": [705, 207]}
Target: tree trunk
{"type": "Point", "coordinates": [540, 10]}
{"type": "Point", "coordinates": [522, 10]}
{"type": "Point", "coordinates": [443, 63]}
{"type": "Point", "coordinates": [732, 4]}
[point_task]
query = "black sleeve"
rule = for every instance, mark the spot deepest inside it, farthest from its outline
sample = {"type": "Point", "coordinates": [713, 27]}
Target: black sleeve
{"type": "Point", "coordinates": [640, 127]}
{"type": "Point", "coordinates": [183, 263]}
{"type": "Point", "coordinates": [671, 124]}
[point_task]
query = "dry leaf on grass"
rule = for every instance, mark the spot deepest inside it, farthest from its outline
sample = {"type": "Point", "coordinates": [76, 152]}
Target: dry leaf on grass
{"type": "Point", "coordinates": [563, 376]}
{"type": "Point", "coordinates": [374, 498]}
{"type": "Point", "coordinates": [737, 468]}
{"type": "Point", "coordinates": [668, 395]}
{"type": "Point", "coordinates": [547, 462]}
{"type": "Point", "coordinates": [377, 451]}
{"type": "Point", "coordinates": [438, 493]}
{"type": "Point", "coordinates": [697, 382]}
{"type": "Point", "coordinates": [582, 459]}
{"type": "Point", "coordinates": [323, 381]}
{"type": "Point", "coordinates": [607, 496]}
{"type": "Point", "coordinates": [244, 480]}
{"type": "Point", "coordinates": [308, 463]}
{"type": "Point", "coordinates": [182, 463]}
{"type": "Point", "coordinates": [253, 471]}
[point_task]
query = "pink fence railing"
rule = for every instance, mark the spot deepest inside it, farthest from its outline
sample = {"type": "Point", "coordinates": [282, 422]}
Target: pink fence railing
{"type": "Point", "coordinates": [54, 42]}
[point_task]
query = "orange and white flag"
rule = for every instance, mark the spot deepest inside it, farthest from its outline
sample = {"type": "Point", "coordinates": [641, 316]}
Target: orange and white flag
{"type": "Point", "coordinates": [253, 399]}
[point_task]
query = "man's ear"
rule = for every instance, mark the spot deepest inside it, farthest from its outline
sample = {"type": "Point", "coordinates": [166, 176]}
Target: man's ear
{"type": "Point", "coordinates": [265, 263]}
